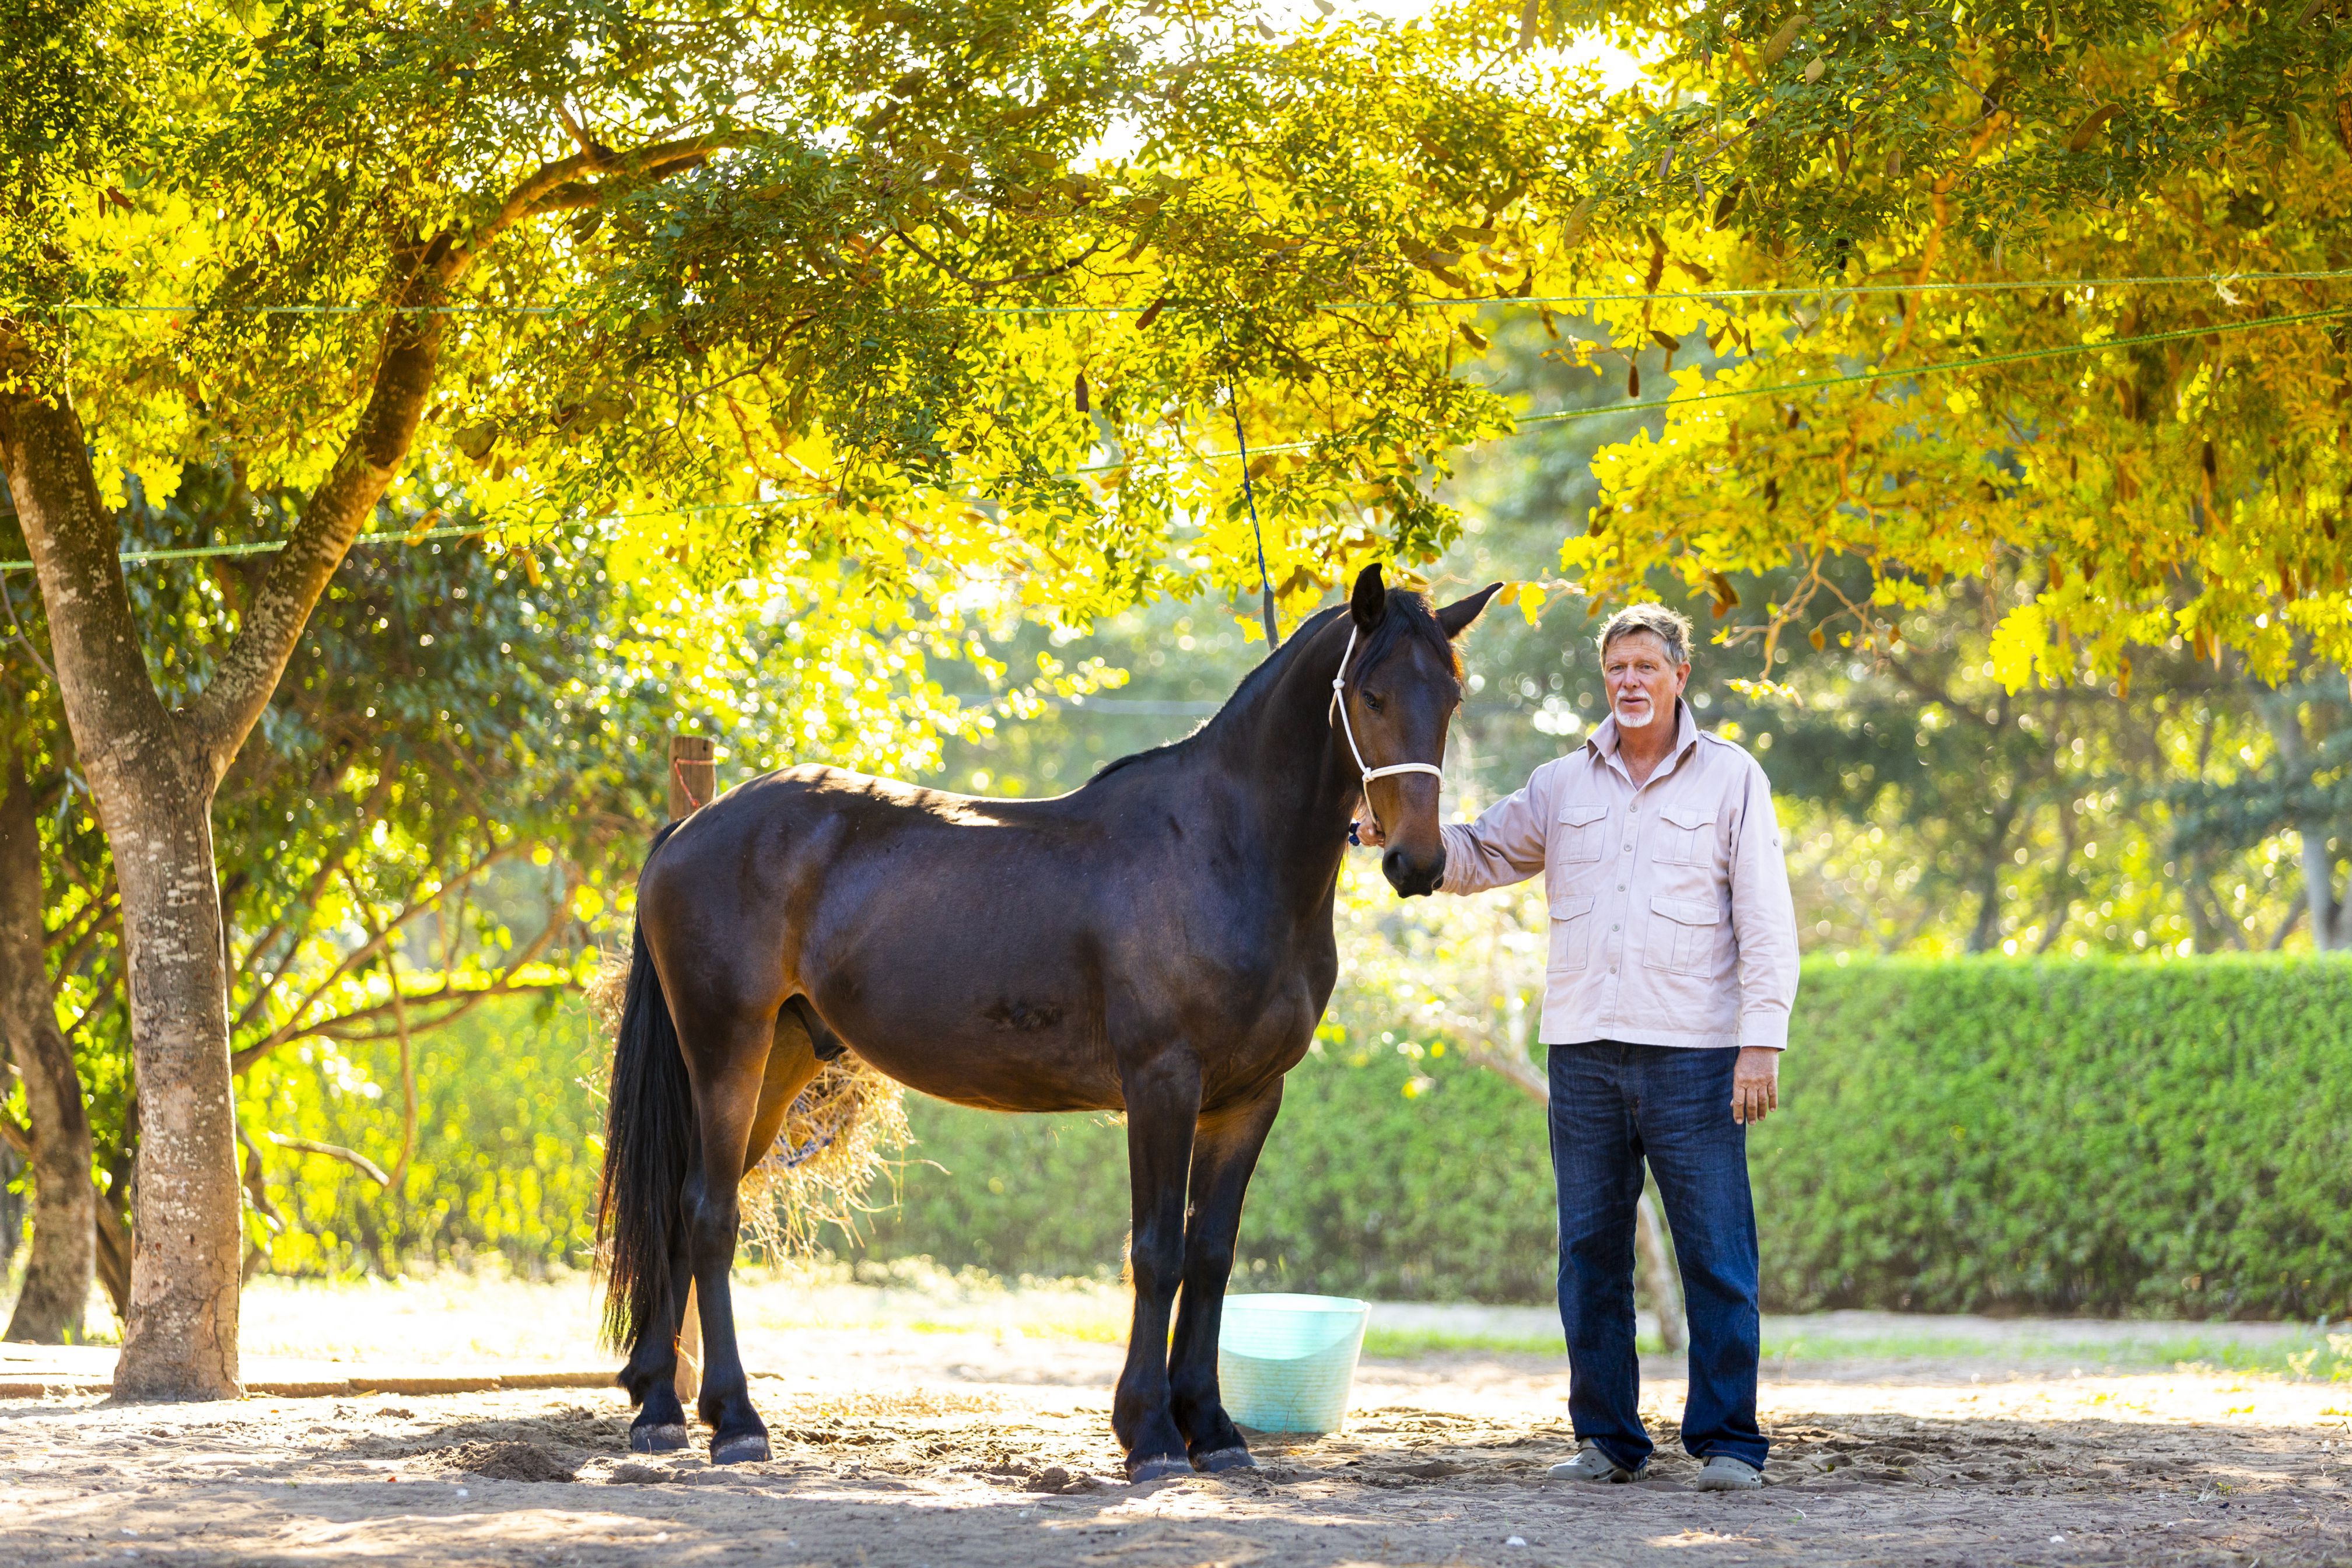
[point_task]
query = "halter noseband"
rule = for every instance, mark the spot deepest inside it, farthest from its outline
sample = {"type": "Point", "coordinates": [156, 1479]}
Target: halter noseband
{"type": "Point", "coordinates": [1339, 711]}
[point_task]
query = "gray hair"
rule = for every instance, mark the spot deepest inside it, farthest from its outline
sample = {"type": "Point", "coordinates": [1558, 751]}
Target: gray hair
{"type": "Point", "coordinates": [1669, 627]}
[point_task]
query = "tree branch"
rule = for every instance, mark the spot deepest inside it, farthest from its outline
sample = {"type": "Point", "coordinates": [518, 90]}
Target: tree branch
{"type": "Point", "coordinates": [220, 719]}
{"type": "Point", "coordinates": [351, 1157]}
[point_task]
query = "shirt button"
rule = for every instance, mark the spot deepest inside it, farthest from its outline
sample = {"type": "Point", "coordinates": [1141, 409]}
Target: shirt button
{"type": "Point", "coordinates": [1621, 887]}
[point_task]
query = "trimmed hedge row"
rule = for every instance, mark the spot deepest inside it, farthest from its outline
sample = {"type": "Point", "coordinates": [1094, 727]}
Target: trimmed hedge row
{"type": "Point", "coordinates": [1984, 1135]}
{"type": "Point", "coordinates": [1442, 1197]}
{"type": "Point", "coordinates": [2103, 1136]}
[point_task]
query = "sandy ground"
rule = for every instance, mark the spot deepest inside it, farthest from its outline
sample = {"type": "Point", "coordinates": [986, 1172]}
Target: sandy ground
{"type": "Point", "coordinates": [930, 1428]}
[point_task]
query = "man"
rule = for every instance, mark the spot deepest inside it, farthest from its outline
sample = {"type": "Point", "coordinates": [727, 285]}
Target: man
{"type": "Point", "coordinates": [1672, 964]}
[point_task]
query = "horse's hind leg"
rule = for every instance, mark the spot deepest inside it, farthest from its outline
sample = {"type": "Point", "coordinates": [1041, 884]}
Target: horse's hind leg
{"type": "Point", "coordinates": [726, 1056]}
{"type": "Point", "coordinates": [651, 1374]}
{"type": "Point", "coordinates": [1224, 1152]}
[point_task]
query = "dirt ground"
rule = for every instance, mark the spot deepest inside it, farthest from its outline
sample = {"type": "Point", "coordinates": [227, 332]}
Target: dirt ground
{"type": "Point", "coordinates": [919, 1442]}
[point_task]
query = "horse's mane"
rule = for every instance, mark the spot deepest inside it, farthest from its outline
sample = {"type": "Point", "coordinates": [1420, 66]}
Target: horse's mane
{"type": "Point", "coordinates": [1409, 615]}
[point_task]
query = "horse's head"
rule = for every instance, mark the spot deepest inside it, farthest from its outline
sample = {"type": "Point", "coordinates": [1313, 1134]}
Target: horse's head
{"type": "Point", "coordinates": [1401, 685]}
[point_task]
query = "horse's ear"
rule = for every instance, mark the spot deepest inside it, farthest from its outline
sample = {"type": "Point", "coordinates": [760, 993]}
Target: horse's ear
{"type": "Point", "coordinates": [1370, 600]}
{"type": "Point", "coordinates": [1457, 617]}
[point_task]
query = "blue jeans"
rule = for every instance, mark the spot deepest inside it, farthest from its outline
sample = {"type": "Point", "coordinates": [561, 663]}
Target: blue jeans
{"type": "Point", "coordinates": [1612, 1105]}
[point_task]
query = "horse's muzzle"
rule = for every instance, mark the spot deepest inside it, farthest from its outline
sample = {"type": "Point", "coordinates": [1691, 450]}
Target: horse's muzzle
{"type": "Point", "coordinates": [1412, 875]}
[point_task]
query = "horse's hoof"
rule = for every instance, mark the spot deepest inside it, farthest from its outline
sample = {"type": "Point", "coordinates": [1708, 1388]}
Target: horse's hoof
{"type": "Point", "coordinates": [743, 1448]}
{"type": "Point", "coordinates": [667, 1437]}
{"type": "Point", "coordinates": [1158, 1469]}
{"type": "Point", "coordinates": [1211, 1463]}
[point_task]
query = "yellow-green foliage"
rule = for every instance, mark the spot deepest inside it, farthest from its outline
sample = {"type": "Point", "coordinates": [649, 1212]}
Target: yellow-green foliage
{"type": "Point", "coordinates": [505, 1155]}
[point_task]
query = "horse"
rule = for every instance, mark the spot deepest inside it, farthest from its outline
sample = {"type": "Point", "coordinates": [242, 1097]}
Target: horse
{"type": "Point", "coordinates": [1157, 942]}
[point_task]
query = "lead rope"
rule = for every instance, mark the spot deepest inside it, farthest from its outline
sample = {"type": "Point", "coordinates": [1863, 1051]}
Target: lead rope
{"type": "Point", "coordinates": [1249, 493]}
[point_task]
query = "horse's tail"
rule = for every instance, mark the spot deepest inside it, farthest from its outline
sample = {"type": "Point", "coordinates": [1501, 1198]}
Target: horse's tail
{"type": "Point", "coordinates": [649, 1132]}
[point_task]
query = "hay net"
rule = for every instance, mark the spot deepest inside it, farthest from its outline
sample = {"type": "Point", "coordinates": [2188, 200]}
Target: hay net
{"type": "Point", "coordinates": [841, 1138]}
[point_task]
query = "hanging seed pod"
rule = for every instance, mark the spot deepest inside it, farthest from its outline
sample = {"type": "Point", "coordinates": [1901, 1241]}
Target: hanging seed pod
{"type": "Point", "coordinates": [1778, 44]}
{"type": "Point", "coordinates": [1085, 398]}
{"type": "Point", "coordinates": [2092, 124]}
{"type": "Point", "coordinates": [1634, 379]}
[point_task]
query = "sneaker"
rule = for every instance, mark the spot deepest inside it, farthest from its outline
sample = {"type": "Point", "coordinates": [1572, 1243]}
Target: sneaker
{"type": "Point", "coordinates": [1591, 1465]}
{"type": "Point", "coordinates": [1722, 1473]}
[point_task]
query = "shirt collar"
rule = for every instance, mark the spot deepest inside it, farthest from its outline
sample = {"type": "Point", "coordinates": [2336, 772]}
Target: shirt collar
{"type": "Point", "coordinates": [1604, 741]}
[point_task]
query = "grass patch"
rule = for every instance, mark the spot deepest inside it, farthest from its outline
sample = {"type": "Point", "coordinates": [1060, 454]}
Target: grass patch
{"type": "Point", "coordinates": [2320, 1358]}
{"type": "Point", "coordinates": [1403, 1344]}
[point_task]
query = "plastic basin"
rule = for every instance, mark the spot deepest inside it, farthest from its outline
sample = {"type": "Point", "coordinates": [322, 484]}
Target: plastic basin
{"type": "Point", "coordinates": [1285, 1364]}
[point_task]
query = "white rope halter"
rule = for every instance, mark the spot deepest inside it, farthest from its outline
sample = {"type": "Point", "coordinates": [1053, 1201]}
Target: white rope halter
{"type": "Point", "coordinates": [1339, 710]}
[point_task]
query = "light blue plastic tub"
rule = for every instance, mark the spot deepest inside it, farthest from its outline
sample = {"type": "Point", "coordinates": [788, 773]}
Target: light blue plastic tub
{"type": "Point", "coordinates": [1285, 1364]}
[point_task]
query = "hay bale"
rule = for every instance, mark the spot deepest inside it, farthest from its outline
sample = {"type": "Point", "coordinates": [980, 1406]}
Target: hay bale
{"type": "Point", "coordinates": [844, 1131]}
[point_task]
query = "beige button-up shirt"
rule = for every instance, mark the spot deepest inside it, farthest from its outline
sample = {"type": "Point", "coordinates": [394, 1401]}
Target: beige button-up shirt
{"type": "Point", "coordinates": [1670, 921]}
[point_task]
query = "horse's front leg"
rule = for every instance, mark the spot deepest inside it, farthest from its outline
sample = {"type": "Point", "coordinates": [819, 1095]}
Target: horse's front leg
{"type": "Point", "coordinates": [1224, 1152]}
{"type": "Point", "coordinates": [1163, 1103]}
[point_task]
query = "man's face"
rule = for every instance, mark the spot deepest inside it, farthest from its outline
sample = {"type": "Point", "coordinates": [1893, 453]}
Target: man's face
{"type": "Point", "coordinates": [1643, 682]}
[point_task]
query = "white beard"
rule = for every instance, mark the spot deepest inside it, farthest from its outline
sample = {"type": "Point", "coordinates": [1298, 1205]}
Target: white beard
{"type": "Point", "coordinates": [1625, 721]}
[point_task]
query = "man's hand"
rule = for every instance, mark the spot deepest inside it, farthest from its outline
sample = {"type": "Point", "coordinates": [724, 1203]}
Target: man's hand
{"type": "Point", "coordinates": [1368, 829]}
{"type": "Point", "coordinates": [1755, 1084]}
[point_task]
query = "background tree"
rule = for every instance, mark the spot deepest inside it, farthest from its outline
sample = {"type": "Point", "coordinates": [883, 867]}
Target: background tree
{"type": "Point", "coordinates": [2163, 448]}
{"type": "Point", "coordinates": [53, 1134]}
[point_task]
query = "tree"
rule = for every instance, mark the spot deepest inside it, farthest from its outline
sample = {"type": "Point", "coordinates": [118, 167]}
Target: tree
{"type": "Point", "coordinates": [57, 1135]}
{"type": "Point", "coordinates": [1855, 201]}
{"type": "Point", "coordinates": [592, 264]}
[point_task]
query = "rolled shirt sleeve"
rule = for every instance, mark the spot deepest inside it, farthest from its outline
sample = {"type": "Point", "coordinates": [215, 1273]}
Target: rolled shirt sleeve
{"type": "Point", "coordinates": [1763, 919]}
{"type": "Point", "coordinates": [1505, 845]}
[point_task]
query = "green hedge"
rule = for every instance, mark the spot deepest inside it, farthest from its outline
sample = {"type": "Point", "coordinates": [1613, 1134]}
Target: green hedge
{"type": "Point", "coordinates": [1985, 1135]}
{"type": "Point", "coordinates": [1445, 1195]}
{"type": "Point", "coordinates": [2103, 1136]}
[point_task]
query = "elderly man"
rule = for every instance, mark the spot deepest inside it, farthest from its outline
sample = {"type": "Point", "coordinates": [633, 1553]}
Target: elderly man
{"type": "Point", "coordinates": [1671, 968]}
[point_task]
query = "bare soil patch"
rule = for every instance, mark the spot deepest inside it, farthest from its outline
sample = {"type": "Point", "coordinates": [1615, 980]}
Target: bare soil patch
{"type": "Point", "coordinates": [918, 1450]}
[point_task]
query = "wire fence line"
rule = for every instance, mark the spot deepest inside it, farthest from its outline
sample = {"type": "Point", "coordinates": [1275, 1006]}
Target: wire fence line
{"type": "Point", "coordinates": [2220, 281]}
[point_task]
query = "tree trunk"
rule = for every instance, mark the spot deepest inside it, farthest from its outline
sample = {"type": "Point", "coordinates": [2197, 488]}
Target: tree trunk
{"type": "Point", "coordinates": [65, 1236]}
{"type": "Point", "coordinates": [186, 1220]}
{"type": "Point", "coordinates": [153, 781]}
{"type": "Point", "coordinates": [2285, 720]}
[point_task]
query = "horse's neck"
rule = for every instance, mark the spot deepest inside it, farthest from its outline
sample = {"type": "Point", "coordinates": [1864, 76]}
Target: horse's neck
{"type": "Point", "coordinates": [1285, 751]}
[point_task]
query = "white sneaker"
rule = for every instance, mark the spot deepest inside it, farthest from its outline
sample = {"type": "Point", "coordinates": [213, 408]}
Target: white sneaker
{"type": "Point", "coordinates": [1591, 1465]}
{"type": "Point", "coordinates": [1722, 1473]}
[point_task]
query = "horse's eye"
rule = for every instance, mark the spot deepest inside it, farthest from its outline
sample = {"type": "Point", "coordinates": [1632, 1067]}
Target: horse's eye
{"type": "Point", "coordinates": [1372, 703]}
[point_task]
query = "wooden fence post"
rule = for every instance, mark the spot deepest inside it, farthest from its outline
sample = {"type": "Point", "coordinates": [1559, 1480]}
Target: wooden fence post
{"type": "Point", "coordinates": [693, 780]}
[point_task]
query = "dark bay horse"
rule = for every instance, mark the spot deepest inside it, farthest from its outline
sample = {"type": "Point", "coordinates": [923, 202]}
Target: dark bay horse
{"type": "Point", "coordinates": [1158, 942]}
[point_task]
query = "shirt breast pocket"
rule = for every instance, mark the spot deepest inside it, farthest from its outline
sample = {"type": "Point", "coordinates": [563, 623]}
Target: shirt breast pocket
{"type": "Point", "coordinates": [1582, 835]}
{"type": "Point", "coordinates": [1681, 935]}
{"type": "Point", "coordinates": [1685, 836]}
